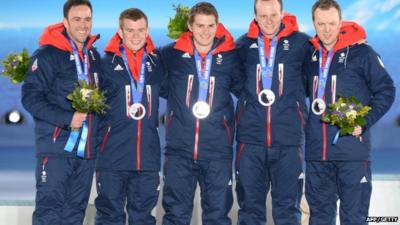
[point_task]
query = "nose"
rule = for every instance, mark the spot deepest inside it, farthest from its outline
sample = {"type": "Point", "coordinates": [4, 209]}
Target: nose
{"type": "Point", "coordinates": [327, 28]}
{"type": "Point", "coordinates": [206, 30]}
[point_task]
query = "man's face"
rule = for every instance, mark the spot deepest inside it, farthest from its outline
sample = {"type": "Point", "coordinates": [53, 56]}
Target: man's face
{"type": "Point", "coordinates": [327, 24]}
{"type": "Point", "coordinates": [79, 24]}
{"type": "Point", "coordinates": [134, 33]}
{"type": "Point", "coordinates": [269, 16]}
{"type": "Point", "coordinates": [204, 28]}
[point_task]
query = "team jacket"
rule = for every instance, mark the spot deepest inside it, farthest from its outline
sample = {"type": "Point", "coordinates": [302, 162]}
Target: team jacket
{"type": "Point", "coordinates": [51, 77]}
{"type": "Point", "coordinates": [209, 138]}
{"type": "Point", "coordinates": [129, 144]}
{"type": "Point", "coordinates": [356, 70]}
{"type": "Point", "coordinates": [281, 124]}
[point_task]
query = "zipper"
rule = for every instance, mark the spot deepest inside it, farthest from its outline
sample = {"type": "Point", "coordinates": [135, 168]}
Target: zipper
{"type": "Point", "coordinates": [138, 145]}
{"type": "Point", "coordinates": [89, 134]}
{"type": "Point", "coordinates": [196, 140]}
{"type": "Point", "coordinates": [269, 141]}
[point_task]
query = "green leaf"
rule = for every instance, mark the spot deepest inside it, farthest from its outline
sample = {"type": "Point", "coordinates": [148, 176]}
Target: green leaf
{"type": "Point", "coordinates": [178, 24]}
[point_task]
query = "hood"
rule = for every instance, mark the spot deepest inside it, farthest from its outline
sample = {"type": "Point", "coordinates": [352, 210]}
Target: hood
{"type": "Point", "coordinates": [185, 44]}
{"type": "Point", "coordinates": [54, 35]}
{"type": "Point", "coordinates": [115, 42]}
{"type": "Point", "coordinates": [350, 33]}
{"type": "Point", "coordinates": [289, 23]}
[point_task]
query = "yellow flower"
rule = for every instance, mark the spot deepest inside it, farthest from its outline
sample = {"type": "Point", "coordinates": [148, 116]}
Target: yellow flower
{"type": "Point", "coordinates": [352, 114]}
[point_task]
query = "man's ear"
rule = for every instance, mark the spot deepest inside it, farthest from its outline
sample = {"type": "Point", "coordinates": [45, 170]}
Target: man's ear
{"type": "Point", "coordinates": [120, 34]}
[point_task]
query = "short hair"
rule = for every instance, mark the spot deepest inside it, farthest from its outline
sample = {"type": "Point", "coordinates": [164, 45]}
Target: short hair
{"type": "Point", "coordinates": [71, 3]}
{"type": "Point", "coordinates": [326, 5]}
{"type": "Point", "coordinates": [256, 1]}
{"type": "Point", "coordinates": [134, 14]}
{"type": "Point", "coordinates": [204, 8]}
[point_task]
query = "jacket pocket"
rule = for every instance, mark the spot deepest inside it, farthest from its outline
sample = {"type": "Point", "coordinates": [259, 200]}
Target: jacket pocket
{"type": "Point", "coordinates": [228, 130]}
{"type": "Point", "coordinates": [169, 120]}
{"type": "Point", "coordinates": [240, 113]}
{"type": "Point", "coordinates": [56, 134]}
{"type": "Point", "coordinates": [301, 115]}
{"type": "Point", "coordinates": [105, 138]}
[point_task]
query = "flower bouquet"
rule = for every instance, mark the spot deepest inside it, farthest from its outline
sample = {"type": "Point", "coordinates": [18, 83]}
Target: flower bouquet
{"type": "Point", "coordinates": [87, 98]}
{"type": "Point", "coordinates": [16, 65]}
{"type": "Point", "coordinates": [346, 113]}
{"type": "Point", "coordinates": [178, 24]}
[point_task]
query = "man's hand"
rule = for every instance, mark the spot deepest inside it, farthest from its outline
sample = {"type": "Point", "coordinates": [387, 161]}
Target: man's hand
{"type": "Point", "coordinates": [77, 120]}
{"type": "Point", "coordinates": [357, 131]}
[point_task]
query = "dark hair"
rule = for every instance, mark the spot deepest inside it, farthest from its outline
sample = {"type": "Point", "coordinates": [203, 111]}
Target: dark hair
{"type": "Point", "coordinates": [70, 3]}
{"type": "Point", "coordinates": [255, 3]}
{"type": "Point", "coordinates": [204, 8]}
{"type": "Point", "coordinates": [326, 5]}
{"type": "Point", "coordinates": [132, 14]}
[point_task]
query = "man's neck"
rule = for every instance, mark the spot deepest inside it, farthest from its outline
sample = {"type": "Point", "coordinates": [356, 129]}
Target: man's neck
{"type": "Point", "coordinates": [203, 49]}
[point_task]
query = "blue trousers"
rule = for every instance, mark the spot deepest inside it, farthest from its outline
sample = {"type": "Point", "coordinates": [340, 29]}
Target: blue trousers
{"type": "Point", "coordinates": [328, 181]}
{"type": "Point", "coordinates": [62, 190]}
{"type": "Point", "coordinates": [137, 190]}
{"type": "Point", "coordinates": [181, 178]}
{"type": "Point", "coordinates": [260, 169]}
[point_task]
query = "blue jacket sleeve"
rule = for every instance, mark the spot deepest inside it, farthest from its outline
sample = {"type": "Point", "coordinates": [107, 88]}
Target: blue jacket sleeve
{"type": "Point", "coordinates": [237, 75]}
{"type": "Point", "coordinates": [36, 89]}
{"type": "Point", "coordinates": [162, 69]}
{"type": "Point", "coordinates": [380, 85]}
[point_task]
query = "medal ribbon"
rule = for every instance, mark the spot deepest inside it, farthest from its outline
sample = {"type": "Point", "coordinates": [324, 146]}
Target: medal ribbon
{"type": "Point", "coordinates": [82, 75]}
{"type": "Point", "coordinates": [136, 90]}
{"type": "Point", "coordinates": [267, 69]}
{"type": "Point", "coordinates": [323, 72]}
{"type": "Point", "coordinates": [204, 77]}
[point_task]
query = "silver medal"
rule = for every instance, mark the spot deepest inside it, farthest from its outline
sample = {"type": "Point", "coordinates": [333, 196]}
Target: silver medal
{"type": "Point", "coordinates": [266, 97]}
{"type": "Point", "coordinates": [201, 109]}
{"type": "Point", "coordinates": [318, 106]}
{"type": "Point", "coordinates": [137, 111]}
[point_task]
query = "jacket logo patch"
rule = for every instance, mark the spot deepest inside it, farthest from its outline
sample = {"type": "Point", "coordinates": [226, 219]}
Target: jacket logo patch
{"type": "Point", "coordinates": [342, 57]}
{"type": "Point", "coordinates": [186, 55]}
{"type": "Point", "coordinates": [219, 59]}
{"type": "Point", "coordinates": [118, 68]}
{"type": "Point", "coordinates": [34, 66]}
{"type": "Point", "coordinates": [363, 180]}
{"type": "Point", "coordinates": [71, 57]}
{"type": "Point", "coordinates": [380, 61]}
{"type": "Point", "coordinates": [254, 45]}
{"type": "Point", "coordinates": [286, 45]}
{"type": "Point", "coordinates": [149, 67]}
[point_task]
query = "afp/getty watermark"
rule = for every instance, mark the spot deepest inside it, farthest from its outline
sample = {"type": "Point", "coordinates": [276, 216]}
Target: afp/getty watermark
{"type": "Point", "coordinates": [382, 219]}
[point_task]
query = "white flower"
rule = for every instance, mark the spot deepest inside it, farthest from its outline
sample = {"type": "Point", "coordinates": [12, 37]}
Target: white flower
{"type": "Point", "coordinates": [86, 93]}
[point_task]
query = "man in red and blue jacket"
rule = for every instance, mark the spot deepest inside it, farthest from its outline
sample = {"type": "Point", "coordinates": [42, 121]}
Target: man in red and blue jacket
{"type": "Point", "coordinates": [202, 70]}
{"type": "Point", "coordinates": [270, 116]}
{"type": "Point", "coordinates": [128, 162]}
{"type": "Point", "coordinates": [341, 64]}
{"type": "Point", "coordinates": [66, 54]}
